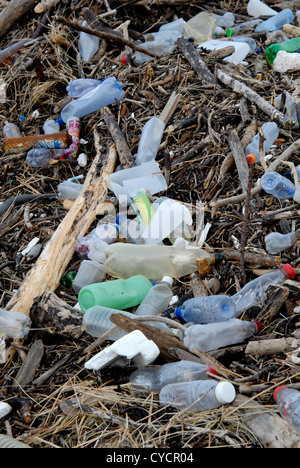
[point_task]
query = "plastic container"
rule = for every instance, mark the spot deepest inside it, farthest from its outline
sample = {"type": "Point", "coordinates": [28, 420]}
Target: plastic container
{"type": "Point", "coordinates": [288, 404]}
{"type": "Point", "coordinates": [39, 157]}
{"type": "Point", "coordinates": [270, 131]}
{"type": "Point", "coordinates": [277, 21]}
{"type": "Point", "coordinates": [242, 49]}
{"type": "Point", "coordinates": [96, 241]}
{"type": "Point", "coordinates": [197, 395]}
{"type": "Point", "coordinates": [154, 378]}
{"type": "Point", "coordinates": [157, 299]}
{"type": "Point", "coordinates": [108, 92]}
{"type": "Point", "coordinates": [277, 242]}
{"type": "Point", "coordinates": [81, 86]}
{"type": "Point", "coordinates": [88, 44]}
{"type": "Point", "coordinates": [257, 8]}
{"type": "Point", "coordinates": [153, 261]}
{"type": "Point", "coordinates": [7, 442]}
{"type": "Point", "coordinates": [14, 324]}
{"type": "Point", "coordinates": [292, 45]}
{"type": "Point", "coordinates": [277, 185]}
{"type": "Point", "coordinates": [211, 336]}
{"type": "Point", "coordinates": [254, 292]}
{"type": "Point", "coordinates": [89, 272]}
{"type": "Point", "coordinates": [51, 126]}
{"type": "Point", "coordinates": [248, 40]}
{"type": "Point", "coordinates": [225, 21]}
{"type": "Point", "coordinates": [11, 130]}
{"type": "Point", "coordinates": [150, 140]}
{"type": "Point", "coordinates": [5, 409]}
{"type": "Point", "coordinates": [116, 294]}
{"type": "Point", "coordinates": [206, 309]}
{"type": "Point", "coordinates": [200, 28]}
{"type": "Point", "coordinates": [68, 189]}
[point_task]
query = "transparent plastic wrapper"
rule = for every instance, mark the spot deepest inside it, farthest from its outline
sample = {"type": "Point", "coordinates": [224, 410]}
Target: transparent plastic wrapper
{"type": "Point", "coordinates": [89, 272]}
{"type": "Point", "coordinates": [242, 49]}
{"type": "Point", "coordinates": [212, 336]}
{"type": "Point", "coordinates": [88, 44]}
{"type": "Point", "coordinates": [206, 309]}
{"type": "Point", "coordinates": [288, 404]}
{"type": "Point", "coordinates": [277, 185]}
{"type": "Point", "coordinates": [258, 8]}
{"type": "Point", "coordinates": [81, 86]}
{"type": "Point", "coordinates": [108, 92]}
{"type": "Point", "coordinates": [68, 189]}
{"type": "Point", "coordinates": [200, 28]}
{"type": "Point", "coordinates": [14, 324]}
{"type": "Point", "coordinates": [254, 292]}
{"type": "Point", "coordinates": [150, 140]}
{"type": "Point", "coordinates": [290, 107]}
{"type": "Point", "coordinates": [51, 126]}
{"type": "Point", "coordinates": [197, 395]}
{"type": "Point", "coordinates": [277, 242]}
{"type": "Point", "coordinates": [270, 131]}
{"type": "Point", "coordinates": [277, 21]}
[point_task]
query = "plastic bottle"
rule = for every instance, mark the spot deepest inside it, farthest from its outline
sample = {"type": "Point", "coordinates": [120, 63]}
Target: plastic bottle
{"type": "Point", "coordinates": [81, 86]}
{"type": "Point", "coordinates": [270, 131]}
{"type": "Point", "coordinates": [288, 404]}
{"type": "Point", "coordinates": [88, 44]}
{"type": "Point", "coordinates": [157, 299]}
{"type": "Point", "coordinates": [68, 189]}
{"type": "Point", "coordinates": [154, 378]}
{"type": "Point", "coordinates": [277, 21]}
{"type": "Point", "coordinates": [141, 204]}
{"type": "Point", "coordinates": [227, 20]}
{"type": "Point", "coordinates": [200, 28]}
{"type": "Point", "coordinates": [206, 309]}
{"type": "Point", "coordinates": [39, 157]}
{"type": "Point", "coordinates": [11, 130]}
{"type": "Point", "coordinates": [153, 261]}
{"type": "Point", "coordinates": [96, 241]}
{"type": "Point", "coordinates": [247, 25]}
{"type": "Point", "coordinates": [277, 185]}
{"type": "Point", "coordinates": [292, 45]}
{"type": "Point", "coordinates": [290, 107]}
{"type": "Point", "coordinates": [150, 140]}
{"type": "Point", "coordinates": [242, 49]}
{"type": "Point", "coordinates": [117, 294]}
{"type": "Point", "coordinates": [277, 242]}
{"type": "Point", "coordinates": [129, 229]}
{"type": "Point", "coordinates": [108, 92]}
{"type": "Point", "coordinates": [197, 395]}
{"type": "Point", "coordinates": [14, 324]}
{"type": "Point", "coordinates": [257, 8]}
{"type": "Point", "coordinates": [254, 292]}
{"type": "Point", "coordinates": [89, 272]}
{"type": "Point", "coordinates": [211, 336]}
{"type": "Point", "coordinates": [161, 46]}
{"type": "Point", "coordinates": [248, 40]}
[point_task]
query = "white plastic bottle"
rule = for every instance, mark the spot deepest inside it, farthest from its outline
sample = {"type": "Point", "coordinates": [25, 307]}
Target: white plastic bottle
{"type": "Point", "coordinates": [150, 140]}
{"type": "Point", "coordinates": [288, 403]}
{"type": "Point", "coordinates": [198, 395]}
{"type": "Point", "coordinates": [270, 131]}
{"type": "Point", "coordinates": [254, 292]}
{"type": "Point", "coordinates": [206, 309]}
{"type": "Point", "coordinates": [68, 189]}
{"type": "Point", "coordinates": [213, 336]}
{"type": "Point", "coordinates": [277, 242]}
{"type": "Point", "coordinates": [14, 324]}
{"type": "Point", "coordinates": [277, 185]}
{"type": "Point", "coordinates": [154, 378]}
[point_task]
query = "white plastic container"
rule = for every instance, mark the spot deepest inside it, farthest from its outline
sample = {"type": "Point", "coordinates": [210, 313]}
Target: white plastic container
{"type": "Point", "coordinates": [257, 8]}
{"type": "Point", "coordinates": [286, 61]}
{"type": "Point", "coordinates": [242, 49]}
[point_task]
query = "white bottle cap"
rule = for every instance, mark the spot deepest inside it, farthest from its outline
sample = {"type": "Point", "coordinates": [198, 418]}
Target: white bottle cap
{"type": "Point", "coordinates": [167, 279]}
{"type": "Point", "coordinates": [225, 392]}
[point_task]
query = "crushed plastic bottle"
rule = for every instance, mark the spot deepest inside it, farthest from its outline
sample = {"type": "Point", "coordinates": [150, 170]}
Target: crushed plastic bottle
{"type": "Point", "coordinates": [291, 45]}
{"type": "Point", "coordinates": [200, 28]}
{"type": "Point", "coordinates": [161, 46]}
{"type": "Point", "coordinates": [108, 92]}
{"type": "Point", "coordinates": [93, 245]}
{"type": "Point", "coordinates": [68, 190]}
{"type": "Point", "coordinates": [81, 86]}
{"type": "Point", "coordinates": [197, 395]}
{"type": "Point", "coordinates": [11, 130]}
{"type": "Point", "coordinates": [150, 140]}
{"type": "Point", "coordinates": [254, 292]}
{"type": "Point", "coordinates": [290, 107]}
{"type": "Point", "coordinates": [277, 21]}
{"type": "Point", "coordinates": [88, 44]}
{"type": "Point", "coordinates": [14, 324]}
{"type": "Point", "coordinates": [116, 294]}
{"type": "Point", "coordinates": [277, 242]}
{"type": "Point", "coordinates": [154, 378]}
{"type": "Point", "coordinates": [270, 131]}
{"type": "Point", "coordinates": [277, 185]}
{"type": "Point", "coordinates": [157, 299]}
{"type": "Point", "coordinates": [212, 336]}
{"type": "Point", "coordinates": [206, 309]}
{"type": "Point", "coordinates": [89, 272]}
{"type": "Point", "coordinates": [285, 61]}
{"type": "Point", "coordinates": [288, 404]}
{"type": "Point", "coordinates": [258, 8]}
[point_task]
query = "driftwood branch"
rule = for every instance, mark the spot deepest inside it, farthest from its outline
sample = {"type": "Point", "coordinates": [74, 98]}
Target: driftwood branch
{"type": "Point", "coordinates": [13, 12]}
{"type": "Point", "coordinates": [191, 54]}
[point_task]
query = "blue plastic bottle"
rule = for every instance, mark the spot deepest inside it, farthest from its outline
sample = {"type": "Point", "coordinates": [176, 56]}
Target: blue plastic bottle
{"type": "Point", "coordinates": [206, 309]}
{"type": "Point", "coordinates": [277, 185]}
{"type": "Point", "coordinates": [277, 21]}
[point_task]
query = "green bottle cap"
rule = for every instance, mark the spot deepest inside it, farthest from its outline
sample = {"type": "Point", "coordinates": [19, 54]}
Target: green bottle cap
{"type": "Point", "coordinates": [229, 32]}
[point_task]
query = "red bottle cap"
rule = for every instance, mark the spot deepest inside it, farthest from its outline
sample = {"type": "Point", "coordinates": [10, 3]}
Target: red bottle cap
{"type": "Point", "coordinates": [277, 390]}
{"type": "Point", "coordinates": [289, 270]}
{"type": "Point", "coordinates": [211, 370]}
{"type": "Point", "coordinates": [259, 326]}
{"type": "Point", "coordinates": [124, 60]}
{"type": "Point", "coordinates": [250, 158]}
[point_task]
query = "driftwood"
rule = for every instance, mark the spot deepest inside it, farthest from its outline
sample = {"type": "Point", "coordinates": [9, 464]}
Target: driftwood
{"type": "Point", "coordinates": [239, 158]}
{"type": "Point", "coordinates": [191, 54]}
{"type": "Point", "coordinates": [269, 347]}
{"type": "Point", "coordinates": [12, 13]}
{"type": "Point", "coordinates": [30, 364]}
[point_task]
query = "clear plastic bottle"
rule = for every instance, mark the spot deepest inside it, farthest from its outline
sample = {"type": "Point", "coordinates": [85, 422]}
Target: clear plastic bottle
{"type": "Point", "coordinates": [258, 8]}
{"type": "Point", "coordinates": [96, 241]}
{"type": "Point", "coordinates": [200, 28]}
{"type": "Point", "coordinates": [247, 25]}
{"type": "Point", "coordinates": [211, 336]}
{"type": "Point", "coordinates": [288, 403]}
{"type": "Point", "coordinates": [270, 131]}
{"type": "Point", "coordinates": [277, 21]}
{"type": "Point", "coordinates": [96, 322]}
{"type": "Point", "coordinates": [14, 324]}
{"type": "Point", "coordinates": [277, 185]}
{"type": "Point", "coordinates": [150, 140]}
{"type": "Point", "coordinates": [81, 86]}
{"type": "Point", "coordinates": [68, 189]}
{"type": "Point", "coordinates": [89, 272]}
{"type": "Point", "coordinates": [39, 157]}
{"type": "Point", "coordinates": [153, 261]}
{"type": "Point", "coordinates": [254, 292]}
{"type": "Point", "coordinates": [157, 299]}
{"type": "Point", "coordinates": [117, 294]}
{"type": "Point", "coordinates": [227, 20]}
{"type": "Point", "coordinates": [88, 44]}
{"type": "Point", "coordinates": [154, 378]}
{"type": "Point", "coordinates": [198, 395]}
{"type": "Point", "coordinates": [129, 229]}
{"type": "Point", "coordinates": [11, 130]}
{"type": "Point", "coordinates": [106, 93]}
{"type": "Point", "coordinates": [206, 309]}
{"type": "Point", "coordinates": [277, 242]}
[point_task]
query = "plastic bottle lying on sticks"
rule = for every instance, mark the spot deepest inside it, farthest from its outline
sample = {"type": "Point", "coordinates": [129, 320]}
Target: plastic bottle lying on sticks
{"type": "Point", "coordinates": [270, 132]}
{"type": "Point", "coordinates": [277, 21]}
{"type": "Point", "coordinates": [206, 309]}
{"type": "Point", "coordinates": [288, 404]}
{"type": "Point", "coordinates": [277, 185]}
{"type": "Point", "coordinates": [277, 242]}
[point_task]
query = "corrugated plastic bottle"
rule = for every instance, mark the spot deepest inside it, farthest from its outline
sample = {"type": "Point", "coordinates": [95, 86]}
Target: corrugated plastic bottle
{"type": "Point", "coordinates": [270, 131]}
{"type": "Point", "coordinates": [157, 299]}
{"type": "Point", "coordinates": [277, 185]}
{"type": "Point", "coordinates": [96, 322]}
{"type": "Point", "coordinates": [254, 292]}
{"type": "Point", "coordinates": [288, 403]}
{"type": "Point", "coordinates": [213, 336]}
{"type": "Point", "coordinates": [277, 21]}
{"type": "Point", "coordinates": [206, 309]}
{"type": "Point", "coordinates": [198, 395]}
{"type": "Point", "coordinates": [154, 378]}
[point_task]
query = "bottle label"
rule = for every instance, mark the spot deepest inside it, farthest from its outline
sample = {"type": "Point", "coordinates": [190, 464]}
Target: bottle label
{"type": "Point", "coordinates": [288, 403]}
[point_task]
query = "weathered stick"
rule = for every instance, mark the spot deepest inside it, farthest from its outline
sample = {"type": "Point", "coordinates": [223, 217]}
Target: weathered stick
{"type": "Point", "coordinates": [239, 158]}
{"type": "Point", "coordinates": [191, 54]}
{"type": "Point", "coordinates": [13, 12]}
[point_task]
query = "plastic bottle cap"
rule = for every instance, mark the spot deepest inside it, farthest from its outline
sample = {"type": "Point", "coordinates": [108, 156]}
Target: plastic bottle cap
{"type": "Point", "coordinates": [289, 270]}
{"type": "Point", "coordinates": [277, 390]}
{"type": "Point", "coordinates": [250, 158]}
{"type": "Point", "coordinates": [225, 392]}
{"type": "Point", "coordinates": [124, 59]}
{"type": "Point", "coordinates": [259, 326]}
{"type": "Point", "coordinates": [177, 312]}
{"type": "Point", "coordinates": [167, 279]}
{"type": "Point", "coordinates": [210, 370]}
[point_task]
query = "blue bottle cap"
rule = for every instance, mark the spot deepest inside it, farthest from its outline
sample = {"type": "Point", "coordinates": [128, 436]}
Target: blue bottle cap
{"type": "Point", "coordinates": [177, 312]}
{"type": "Point", "coordinates": [153, 283]}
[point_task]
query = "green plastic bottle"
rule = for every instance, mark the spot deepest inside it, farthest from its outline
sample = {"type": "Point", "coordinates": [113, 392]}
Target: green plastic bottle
{"type": "Point", "coordinates": [292, 45]}
{"type": "Point", "coordinates": [117, 294]}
